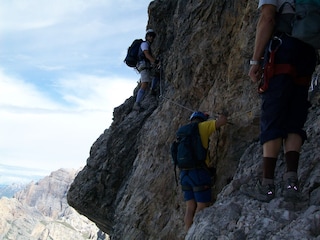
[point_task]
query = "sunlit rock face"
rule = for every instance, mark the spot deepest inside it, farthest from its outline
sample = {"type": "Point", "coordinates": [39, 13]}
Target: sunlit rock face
{"type": "Point", "coordinates": [41, 211]}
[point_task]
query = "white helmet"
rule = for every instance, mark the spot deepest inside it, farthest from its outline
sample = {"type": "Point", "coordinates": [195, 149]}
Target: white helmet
{"type": "Point", "coordinates": [151, 32]}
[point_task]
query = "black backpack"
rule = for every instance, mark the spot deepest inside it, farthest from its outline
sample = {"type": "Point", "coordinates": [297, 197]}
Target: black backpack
{"type": "Point", "coordinates": [133, 53]}
{"type": "Point", "coordinates": [187, 151]}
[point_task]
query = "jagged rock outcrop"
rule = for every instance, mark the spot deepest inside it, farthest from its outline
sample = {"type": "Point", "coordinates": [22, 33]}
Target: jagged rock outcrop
{"type": "Point", "coordinates": [128, 188]}
{"type": "Point", "coordinates": [40, 211]}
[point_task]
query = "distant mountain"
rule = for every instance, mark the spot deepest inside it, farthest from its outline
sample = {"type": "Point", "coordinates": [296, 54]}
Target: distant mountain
{"type": "Point", "coordinates": [9, 190]}
{"type": "Point", "coordinates": [41, 211]}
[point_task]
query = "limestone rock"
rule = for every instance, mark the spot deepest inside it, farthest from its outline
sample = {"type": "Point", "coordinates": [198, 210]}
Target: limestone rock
{"type": "Point", "coordinates": [128, 186]}
{"type": "Point", "coordinates": [40, 211]}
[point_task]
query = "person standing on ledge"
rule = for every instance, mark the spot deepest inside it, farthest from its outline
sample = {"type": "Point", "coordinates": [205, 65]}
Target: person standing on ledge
{"type": "Point", "coordinates": [146, 62]}
{"type": "Point", "coordinates": [288, 66]}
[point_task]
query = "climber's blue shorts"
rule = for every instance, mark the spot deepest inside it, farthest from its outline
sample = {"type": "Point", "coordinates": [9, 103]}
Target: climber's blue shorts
{"type": "Point", "coordinates": [196, 178]}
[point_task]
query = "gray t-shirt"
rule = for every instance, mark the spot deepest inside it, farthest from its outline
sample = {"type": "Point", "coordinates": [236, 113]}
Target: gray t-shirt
{"type": "Point", "coordinates": [286, 16]}
{"type": "Point", "coordinates": [278, 3]}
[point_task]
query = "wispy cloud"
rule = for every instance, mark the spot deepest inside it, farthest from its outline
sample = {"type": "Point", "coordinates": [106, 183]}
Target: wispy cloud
{"type": "Point", "coordinates": [94, 92]}
{"type": "Point", "coordinates": [61, 76]}
{"type": "Point", "coordinates": [13, 174]}
{"type": "Point", "coordinates": [68, 33]}
{"type": "Point", "coordinates": [42, 133]}
{"type": "Point", "coordinates": [20, 93]}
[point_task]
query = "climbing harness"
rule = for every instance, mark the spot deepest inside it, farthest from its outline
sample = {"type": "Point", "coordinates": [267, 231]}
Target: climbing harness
{"type": "Point", "coordinates": [194, 188]}
{"type": "Point", "coordinates": [269, 69]}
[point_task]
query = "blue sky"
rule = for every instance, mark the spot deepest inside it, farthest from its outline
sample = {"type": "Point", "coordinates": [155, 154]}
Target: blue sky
{"type": "Point", "coordinates": [61, 76]}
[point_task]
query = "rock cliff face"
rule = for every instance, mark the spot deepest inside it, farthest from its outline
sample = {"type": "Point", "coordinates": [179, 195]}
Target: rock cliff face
{"type": "Point", "coordinates": [40, 211]}
{"type": "Point", "coordinates": [128, 187]}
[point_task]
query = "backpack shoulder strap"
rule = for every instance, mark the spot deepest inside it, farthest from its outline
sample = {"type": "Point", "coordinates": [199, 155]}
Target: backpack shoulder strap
{"type": "Point", "coordinates": [141, 55]}
{"type": "Point", "coordinates": [284, 4]}
{"type": "Point", "coordinates": [284, 21]}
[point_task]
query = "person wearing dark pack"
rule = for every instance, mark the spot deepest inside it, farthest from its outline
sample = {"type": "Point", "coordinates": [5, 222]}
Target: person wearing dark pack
{"type": "Point", "coordinates": [287, 70]}
{"type": "Point", "coordinates": [191, 156]}
{"type": "Point", "coordinates": [145, 63]}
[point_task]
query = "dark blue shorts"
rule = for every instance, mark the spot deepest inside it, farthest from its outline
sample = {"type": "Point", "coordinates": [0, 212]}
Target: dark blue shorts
{"type": "Point", "coordinates": [285, 103]}
{"type": "Point", "coordinates": [196, 178]}
{"type": "Point", "coordinates": [284, 109]}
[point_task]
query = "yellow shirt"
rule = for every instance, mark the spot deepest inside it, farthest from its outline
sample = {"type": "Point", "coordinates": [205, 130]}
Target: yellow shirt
{"type": "Point", "coordinates": [206, 128]}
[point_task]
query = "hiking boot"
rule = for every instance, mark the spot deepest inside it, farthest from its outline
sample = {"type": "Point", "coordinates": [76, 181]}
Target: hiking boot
{"type": "Point", "coordinates": [136, 106]}
{"type": "Point", "coordinates": [264, 193]}
{"type": "Point", "coordinates": [291, 190]}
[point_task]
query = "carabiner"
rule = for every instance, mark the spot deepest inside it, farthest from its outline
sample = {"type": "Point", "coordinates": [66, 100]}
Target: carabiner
{"type": "Point", "coordinates": [277, 46]}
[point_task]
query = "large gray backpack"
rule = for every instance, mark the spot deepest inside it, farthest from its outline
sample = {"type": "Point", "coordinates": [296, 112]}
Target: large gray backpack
{"type": "Point", "coordinates": [304, 24]}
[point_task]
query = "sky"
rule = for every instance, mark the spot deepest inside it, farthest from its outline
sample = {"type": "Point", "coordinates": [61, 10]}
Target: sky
{"type": "Point", "coordinates": [61, 76]}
